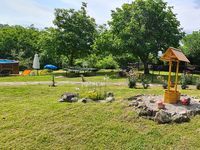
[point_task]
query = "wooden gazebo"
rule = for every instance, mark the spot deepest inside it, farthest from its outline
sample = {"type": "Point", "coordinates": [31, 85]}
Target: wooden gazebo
{"type": "Point", "coordinates": [173, 55]}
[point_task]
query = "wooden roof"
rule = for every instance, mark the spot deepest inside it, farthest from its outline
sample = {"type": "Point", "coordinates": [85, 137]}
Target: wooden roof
{"type": "Point", "coordinates": [173, 54]}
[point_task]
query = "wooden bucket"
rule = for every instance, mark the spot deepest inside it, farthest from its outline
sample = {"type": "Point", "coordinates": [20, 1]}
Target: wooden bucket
{"type": "Point", "coordinates": [171, 97]}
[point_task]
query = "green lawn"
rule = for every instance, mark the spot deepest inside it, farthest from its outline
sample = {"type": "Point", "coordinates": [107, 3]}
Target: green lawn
{"type": "Point", "coordinates": [100, 75]}
{"type": "Point", "coordinates": [31, 118]}
{"type": "Point", "coordinates": [60, 76]}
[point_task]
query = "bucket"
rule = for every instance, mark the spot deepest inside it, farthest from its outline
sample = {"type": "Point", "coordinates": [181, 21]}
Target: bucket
{"type": "Point", "coordinates": [171, 97]}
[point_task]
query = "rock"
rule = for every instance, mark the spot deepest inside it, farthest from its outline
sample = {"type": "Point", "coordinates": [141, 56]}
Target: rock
{"type": "Point", "coordinates": [109, 94]}
{"type": "Point", "coordinates": [152, 101]}
{"type": "Point", "coordinates": [136, 97]}
{"type": "Point", "coordinates": [160, 105]}
{"type": "Point", "coordinates": [85, 100]}
{"type": "Point", "coordinates": [180, 118]}
{"type": "Point", "coordinates": [134, 104]}
{"type": "Point", "coordinates": [197, 111]}
{"type": "Point", "coordinates": [132, 98]}
{"type": "Point", "coordinates": [144, 112]}
{"type": "Point", "coordinates": [139, 99]}
{"type": "Point", "coordinates": [183, 113]}
{"type": "Point", "coordinates": [154, 113]}
{"type": "Point", "coordinates": [67, 97]}
{"type": "Point", "coordinates": [162, 117]}
{"type": "Point", "coordinates": [74, 99]}
{"type": "Point", "coordinates": [191, 113]}
{"type": "Point", "coordinates": [141, 105]}
{"type": "Point", "coordinates": [109, 99]}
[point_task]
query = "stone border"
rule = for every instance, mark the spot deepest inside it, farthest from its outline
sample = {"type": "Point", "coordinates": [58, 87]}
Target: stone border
{"type": "Point", "coordinates": [146, 106]}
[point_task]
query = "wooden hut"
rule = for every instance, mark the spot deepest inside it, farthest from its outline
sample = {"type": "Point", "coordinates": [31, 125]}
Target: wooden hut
{"type": "Point", "coordinates": [9, 66]}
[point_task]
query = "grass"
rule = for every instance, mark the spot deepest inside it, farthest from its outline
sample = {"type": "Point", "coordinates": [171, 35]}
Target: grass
{"type": "Point", "coordinates": [60, 76]}
{"type": "Point", "coordinates": [31, 118]}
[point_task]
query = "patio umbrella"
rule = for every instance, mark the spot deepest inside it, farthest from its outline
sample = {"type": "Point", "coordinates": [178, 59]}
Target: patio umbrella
{"type": "Point", "coordinates": [36, 63]}
{"type": "Point", "coordinates": [52, 67]}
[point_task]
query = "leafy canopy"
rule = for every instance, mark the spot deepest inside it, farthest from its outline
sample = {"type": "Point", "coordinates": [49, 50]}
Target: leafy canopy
{"type": "Point", "coordinates": [191, 46]}
{"type": "Point", "coordinates": [76, 32]}
{"type": "Point", "coordinates": [144, 27]}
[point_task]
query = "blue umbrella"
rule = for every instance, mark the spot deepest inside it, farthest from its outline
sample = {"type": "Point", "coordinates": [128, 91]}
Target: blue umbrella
{"type": "Point", "coordinates": [52, 67]}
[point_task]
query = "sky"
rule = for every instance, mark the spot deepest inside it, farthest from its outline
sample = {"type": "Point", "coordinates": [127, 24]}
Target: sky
{"type": "Point", "coordinates": [41, 12]}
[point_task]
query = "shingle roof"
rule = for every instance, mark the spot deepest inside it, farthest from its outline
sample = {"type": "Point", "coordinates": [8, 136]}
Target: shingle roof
{"type": "Point", "coordinates": [173, 54]}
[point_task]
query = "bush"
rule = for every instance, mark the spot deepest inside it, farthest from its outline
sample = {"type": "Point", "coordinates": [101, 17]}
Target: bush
{"type": "Point", "coordinates": [88, 62]}
{"type": "Point", "coordinates": [187, 78]}
{"type": "Point", "coordinates": [108, 63]}
{"type": "Point", "coordinates": [164, 85]}
{"type": "Point", "coordinates": [132, 79]}
{"type": "Point", "coordinates": [94, 95]}
{"type": "Point", "coordinates": [45, 72]}
{"type": "Point", "coordinates": [184, 82]}
{"type": "Point", "coordinates": [131, 82]}
{"type": "Point", "coordinates": [198, 84]}
{"type": "Point", "coordinates": [145, 84]}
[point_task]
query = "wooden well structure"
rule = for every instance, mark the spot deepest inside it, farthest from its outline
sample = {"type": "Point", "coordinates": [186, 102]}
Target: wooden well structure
{"type": "Point", "coordinates": [173, 55]}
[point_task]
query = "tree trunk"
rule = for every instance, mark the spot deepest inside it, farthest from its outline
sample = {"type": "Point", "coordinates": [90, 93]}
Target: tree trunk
{"type": "Point", "coordinates": [146, 68]}
{"type": "Point", "coordinates": [71, 60]}
{"type": "Point", "coordinates": [144, 59]}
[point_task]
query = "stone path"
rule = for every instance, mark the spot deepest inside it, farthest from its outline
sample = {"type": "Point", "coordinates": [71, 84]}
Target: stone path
{"type": "Point", "coordinates": [75, 83]}
{"type": "Point", "coordinates": [58, 83]}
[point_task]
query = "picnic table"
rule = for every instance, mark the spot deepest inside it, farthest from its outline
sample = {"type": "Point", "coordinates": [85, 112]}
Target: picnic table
{"type": "Point", "coordinates": [77, 70]}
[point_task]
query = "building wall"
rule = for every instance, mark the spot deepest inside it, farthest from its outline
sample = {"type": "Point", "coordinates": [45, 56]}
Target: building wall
{"type": "Point", "coordinates": [13, 67]}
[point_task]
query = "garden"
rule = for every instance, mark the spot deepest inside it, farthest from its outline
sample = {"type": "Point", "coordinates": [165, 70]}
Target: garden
{"type": "Point", "coordinates": [133, 83]}
{"type": "Point", "coordinates": [32, 116]}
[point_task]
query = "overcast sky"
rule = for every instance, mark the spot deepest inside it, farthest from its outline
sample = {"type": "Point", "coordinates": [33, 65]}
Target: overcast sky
{"type": "Point", "coordinates": [40, 12]}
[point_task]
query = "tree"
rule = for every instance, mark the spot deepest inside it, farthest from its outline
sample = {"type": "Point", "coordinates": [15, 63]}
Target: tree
{"type": "Point", "coordinates": [144, 27]}
{"type": "Point", "coordinates": [47, 43]}
{"type": "Point", "coordinates": [191, 47]}
{"type": "Point", "coordinates": [17, 42]}
{"type": "Point", "coordinates": [76, 32]}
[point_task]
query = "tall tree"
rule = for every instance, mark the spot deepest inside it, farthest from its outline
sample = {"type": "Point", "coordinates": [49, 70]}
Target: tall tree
{"type": "Point", "coordinates": [17, 42]}
{"type": "Point", "coordinates": [144, 27]}
{"type": "Point", "coordinates": [47, 43]}
{"type": "Point", "coordinates": [76, 32]}
{"type": "Point", "coordinates": [191, 46]}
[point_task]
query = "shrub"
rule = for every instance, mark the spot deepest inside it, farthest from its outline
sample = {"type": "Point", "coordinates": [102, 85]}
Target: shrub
{"type": "Point", "coordinates": [187, 78]}
{"type": "Point", "coordinates": [132, 78]}
{"type": "Point", "coordinates": [108, 63]}
{"type": "Point", "coordinates": [161, 79]}
{"type": "Point", "coordinates": [164, 85]}
{"type": "Point", "coordinates": [95, 91]}
{"type": "Point", "coordinates": [45, 72]}
{"type": "Point", "coordinates": [131, 82]}
{"type": "Point", "coordinates": [184, 82]}
{"type": "Point", "coordinates": [88, 62]}
{"type": "Point", "coordinates": [94, 95]}
{"type": "Point", "coordinates": [145, 84]}
{"type": "Point", "coordinates": [198, 84]}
